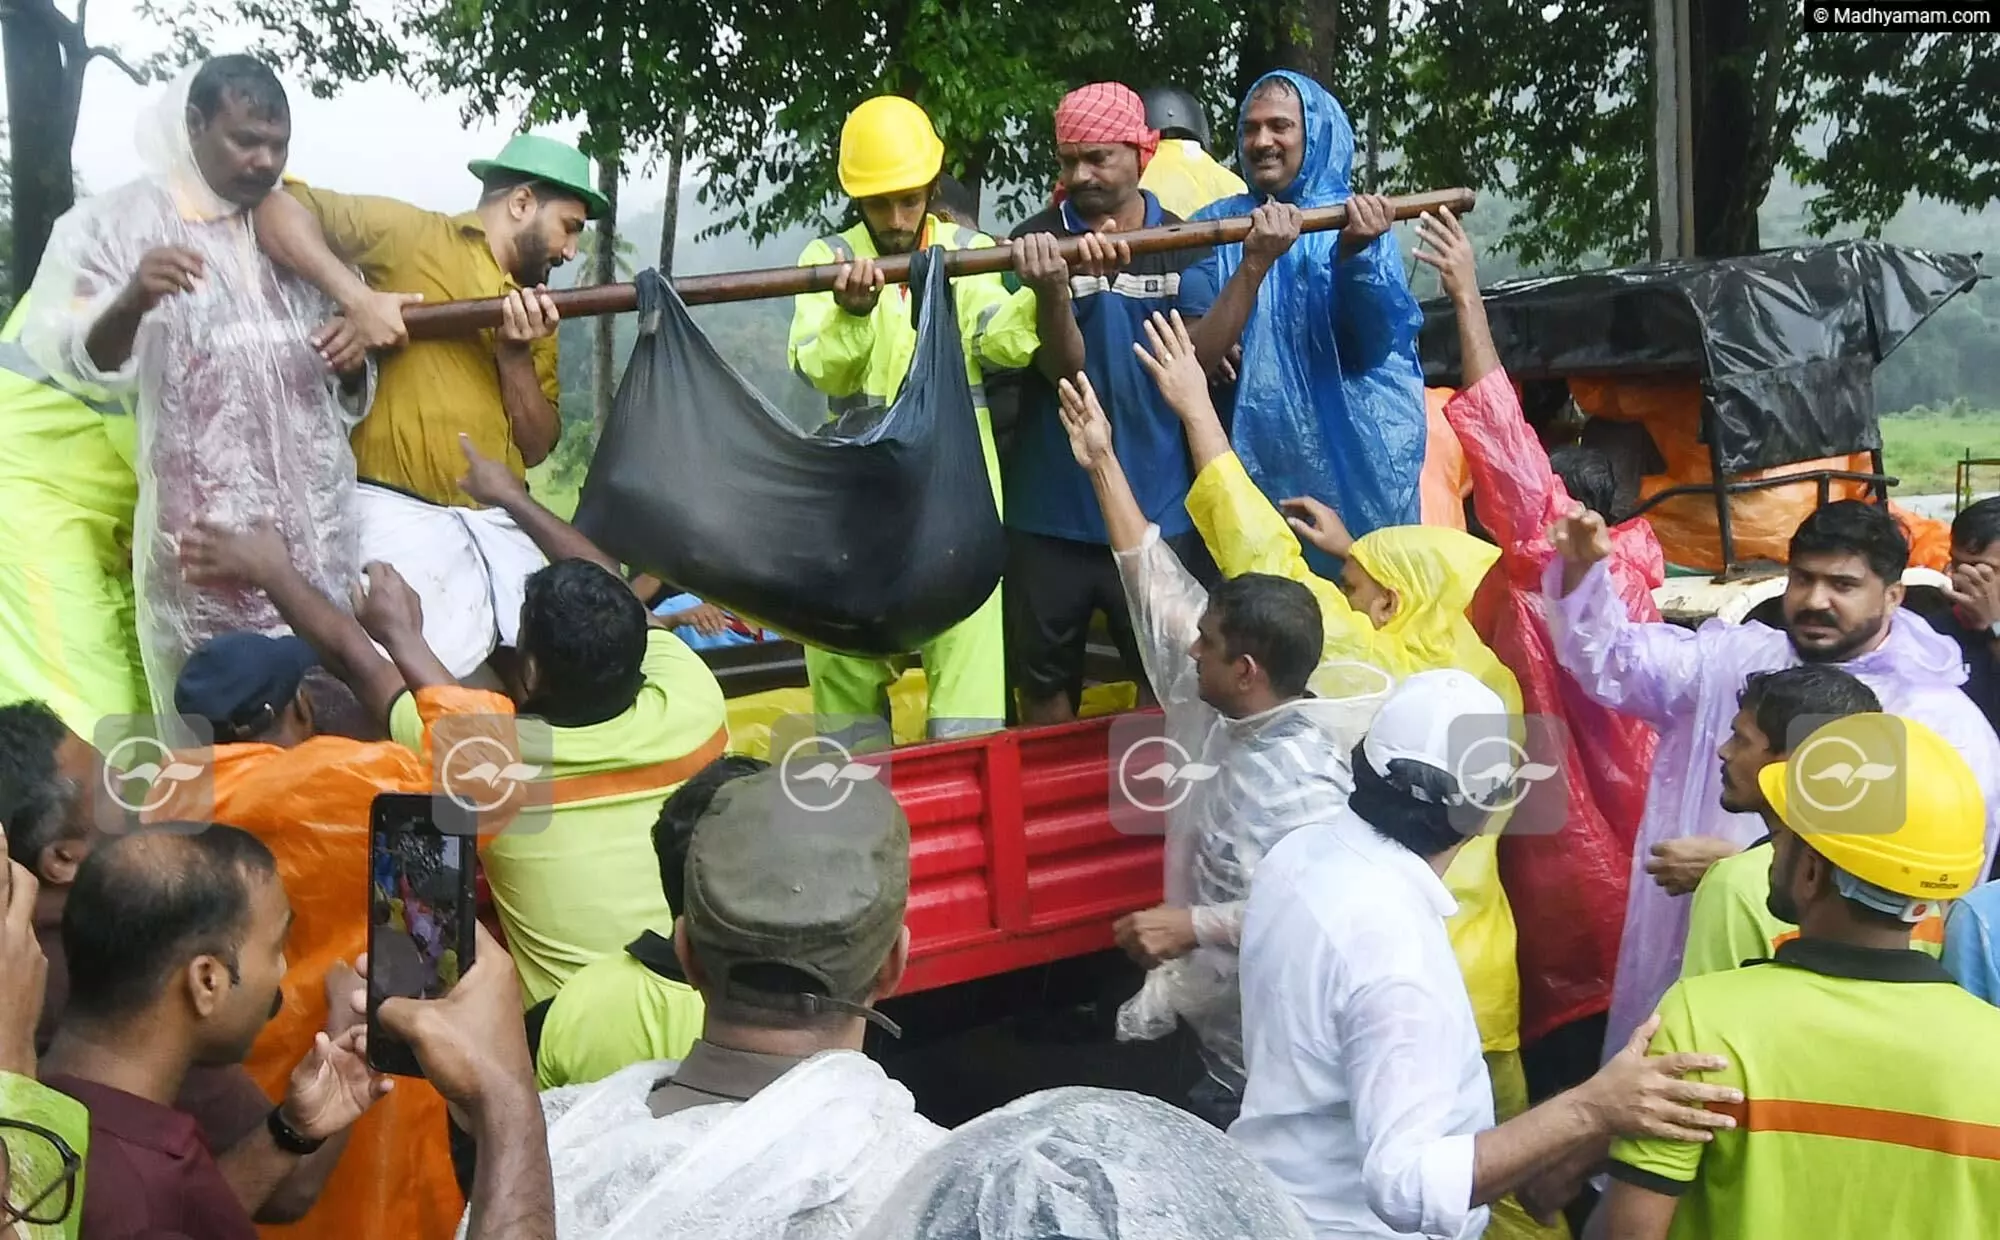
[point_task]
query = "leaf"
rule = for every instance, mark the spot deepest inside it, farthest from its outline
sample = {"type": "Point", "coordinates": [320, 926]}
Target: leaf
{"type": "Point", "coordinates": [822, 772]}
{"type": "Point", "coordinates": [1535, 772]}
{"type": "Point", "coordinates": [520, 772]}
{"type": "Point", "coordinates": [180, 772]}
{"type": "Point", "coordinates": [1162, 771]}
{"type": "Point", "coordinates": [147, 771]}
{"type": "Point", "coordinates": [485, 773]}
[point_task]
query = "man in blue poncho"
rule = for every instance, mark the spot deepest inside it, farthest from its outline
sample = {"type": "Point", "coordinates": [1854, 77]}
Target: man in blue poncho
{"type": "Point", "coordinates": [1329, 402]}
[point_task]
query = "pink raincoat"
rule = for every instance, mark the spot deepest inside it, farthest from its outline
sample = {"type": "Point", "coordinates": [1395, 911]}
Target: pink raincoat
{"type": "Point", "coordinates": [1685, 684]}
{"type": "Point", "coordinates": [1567, 889]}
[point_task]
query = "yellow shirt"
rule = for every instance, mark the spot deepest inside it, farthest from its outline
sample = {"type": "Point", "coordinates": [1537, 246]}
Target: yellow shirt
{"type": "Point", "coordinates": [1185, 178]}
{"type": "Point", "coordinates": [430, 390]}
{"type": "Point", "coordinates": [580, 880]}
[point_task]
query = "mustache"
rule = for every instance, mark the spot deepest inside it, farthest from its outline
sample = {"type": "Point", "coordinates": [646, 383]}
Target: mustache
{"type": "Point", "coordinates": [1826, 618]}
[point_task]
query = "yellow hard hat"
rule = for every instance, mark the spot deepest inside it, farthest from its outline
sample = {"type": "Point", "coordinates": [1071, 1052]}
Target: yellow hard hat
{"type": "Point", "coordinates": [1887, 800]}
{"type": "Point", "coordinates": [887, 146]}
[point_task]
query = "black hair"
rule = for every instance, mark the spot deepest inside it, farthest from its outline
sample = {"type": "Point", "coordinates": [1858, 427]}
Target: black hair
{"type": "Point", "coordinates": [1779, 700]}
{"type": "Point", "coordinates": [503, 181]}
{"type": "Point", "coordinates": [1975, 529]}
{"type": "Point", "coordinates": [1274, 85]}
{"type": "Point", "coordinates": [35, 796]}
{"type": "Point", "coordinates": [674, 831]}
{"type": "Point", "coordinates": [586, 632]}
{"type": "Point", "coordinates": [1586, 473]}
{"type": "Point", "coordinates": [146, 903]}
{"type": "Point", "coordinates": [238, 77]}
{"type": "Point", "coordinates": [1851, 527]}
{"type": "Point", "coordinates": [1411, 806]}
{"type": "Point", "coordinates": [1273, 620]}
{"type": "Point", "coordinates": [950, 198]}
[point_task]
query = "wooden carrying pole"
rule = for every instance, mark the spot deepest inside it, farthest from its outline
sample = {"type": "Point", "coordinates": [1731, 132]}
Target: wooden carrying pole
{"type": "Point", "coordinates": [458, 318]}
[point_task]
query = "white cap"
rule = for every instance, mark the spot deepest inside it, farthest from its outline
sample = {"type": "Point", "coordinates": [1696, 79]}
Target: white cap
{"type": "Point", "coordinates": [1417, 722]}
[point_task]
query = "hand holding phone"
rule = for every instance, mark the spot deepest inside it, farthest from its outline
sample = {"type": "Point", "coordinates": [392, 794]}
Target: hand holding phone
{"type": "Point", "coordinates": [421, 916]}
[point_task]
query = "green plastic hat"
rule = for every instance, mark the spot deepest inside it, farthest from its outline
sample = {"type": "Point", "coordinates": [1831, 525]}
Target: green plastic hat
{"type": "Point", "coordinates": [546, 159]}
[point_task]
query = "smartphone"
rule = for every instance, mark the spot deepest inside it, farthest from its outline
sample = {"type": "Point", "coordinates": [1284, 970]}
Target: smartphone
{"type": "Point", "coordinates": [421, 850]}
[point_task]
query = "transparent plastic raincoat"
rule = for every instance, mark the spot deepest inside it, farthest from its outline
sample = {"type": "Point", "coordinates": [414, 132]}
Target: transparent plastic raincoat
{"type": "Point", "coordinates": [809, 1157]}
{"type": "Point", "coordinates": [1330, 402]}
{"type": "Point", "coordinates": [1276, 771]}
{"type": "Point", "coordinates": [1096, 1163]}
{"type": "Point", "coordinates": [1434, 573]}
{"type": "Point", "coordinates": [1685, 685]}
{"type": "Point", "coordinates": [238, 416]}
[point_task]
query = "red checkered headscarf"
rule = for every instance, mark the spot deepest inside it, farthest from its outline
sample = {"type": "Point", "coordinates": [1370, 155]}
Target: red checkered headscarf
{"type": "Point", "coordinates": [1106, 112]}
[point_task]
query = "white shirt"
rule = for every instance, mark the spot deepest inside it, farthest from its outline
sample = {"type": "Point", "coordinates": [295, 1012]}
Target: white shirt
{"type": "Point", "coordinates": [1366, 1080]}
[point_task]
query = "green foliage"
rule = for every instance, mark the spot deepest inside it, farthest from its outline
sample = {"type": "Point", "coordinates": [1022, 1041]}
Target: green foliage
{"type": "Point", "coordinates": [1922, 446]}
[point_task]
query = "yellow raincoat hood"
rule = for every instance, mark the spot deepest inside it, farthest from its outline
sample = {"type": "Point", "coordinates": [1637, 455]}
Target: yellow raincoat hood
{"type": "Point", "coordinates": [1434, 572]}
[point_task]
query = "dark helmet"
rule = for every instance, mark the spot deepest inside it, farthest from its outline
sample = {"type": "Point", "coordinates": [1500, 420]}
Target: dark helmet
{"type": "Point", "coordinates": [1175, 113]}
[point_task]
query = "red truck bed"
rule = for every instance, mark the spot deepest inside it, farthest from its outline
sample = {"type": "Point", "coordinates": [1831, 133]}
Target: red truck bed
{"type": "Point", "coordinates": [1013, 858]}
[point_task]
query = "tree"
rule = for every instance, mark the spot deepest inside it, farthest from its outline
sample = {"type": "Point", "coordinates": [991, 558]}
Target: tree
{"type": "Point", "coordinates": [46, 53]}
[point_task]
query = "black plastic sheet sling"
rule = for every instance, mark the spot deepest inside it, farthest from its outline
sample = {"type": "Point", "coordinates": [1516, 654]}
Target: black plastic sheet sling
{"type": "Point", "coordinates": [870, 537]}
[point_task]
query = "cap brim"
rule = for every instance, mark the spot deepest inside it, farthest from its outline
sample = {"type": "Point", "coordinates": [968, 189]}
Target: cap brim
{"type": "Point", "coordinates": [594, 203]}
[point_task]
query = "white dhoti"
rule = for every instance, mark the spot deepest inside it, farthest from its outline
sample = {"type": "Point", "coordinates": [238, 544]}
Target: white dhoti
{"type": "Point", "coordinates": [469, 566]}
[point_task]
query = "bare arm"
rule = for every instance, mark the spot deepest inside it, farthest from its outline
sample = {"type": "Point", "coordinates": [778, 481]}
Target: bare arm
{"type": "Point", "coordinates": [526, 316]}
{"type": "Point", "coordinates": [1090, 441]}
{"type": "Point", "coordinates": [290, 235]}
{"type": "Point", "coordinates": [1629, 1212]}
{"type": "Point", "coordinates": [1273, 228]}
{"type": "Point", "coordinates": [490, 482]}
{"type": "Point", "coordinates": [1444, 246]}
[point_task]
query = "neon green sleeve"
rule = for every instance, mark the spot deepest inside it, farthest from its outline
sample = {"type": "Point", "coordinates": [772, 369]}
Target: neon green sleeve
{"type": "Point", "coordinates": [1674, 1161]}
{"type": "Point", "coordinates": [406, 723]}
{"type": "Point", "coordinates": [828, 347]}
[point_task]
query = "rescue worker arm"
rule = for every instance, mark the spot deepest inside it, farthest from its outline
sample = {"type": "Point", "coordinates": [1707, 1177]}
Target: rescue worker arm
{"type": "Point", "coordinates": [316, 235]}
{"type": "Point", "coordinates": [213, 555]}
{"type": "Point", "coordinates": [1273, 228]}
{"type": "Point", "coordinates": [524, 349]}
{"type": "Point", "coordinates": [1647, 670]}
{"type": "Point", "coordinates": [828, 347]}
{"type": "Point", "coordinates": [494, 485]}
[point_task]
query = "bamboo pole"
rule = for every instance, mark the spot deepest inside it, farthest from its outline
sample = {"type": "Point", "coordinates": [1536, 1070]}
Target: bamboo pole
{"type": "Point", "coordinates": [458, 318]}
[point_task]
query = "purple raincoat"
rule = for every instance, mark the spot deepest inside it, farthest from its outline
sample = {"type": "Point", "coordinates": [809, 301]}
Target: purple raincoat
{"type": "Point", "coordinates": [1685, 684]}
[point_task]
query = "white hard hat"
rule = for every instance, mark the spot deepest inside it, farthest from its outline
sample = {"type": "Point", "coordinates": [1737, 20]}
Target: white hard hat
{"type": "Point", "coordinates": [1421, 721]}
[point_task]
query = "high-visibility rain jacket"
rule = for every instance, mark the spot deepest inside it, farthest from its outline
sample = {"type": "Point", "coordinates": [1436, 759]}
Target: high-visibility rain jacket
{"type": "Point", "coordinates": [1186, 178]}
{"type": "Point", "coordinates": [67, 491]}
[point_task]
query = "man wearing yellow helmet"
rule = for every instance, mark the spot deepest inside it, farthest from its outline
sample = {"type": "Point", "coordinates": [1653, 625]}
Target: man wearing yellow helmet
{"type": "Point", "coordinates": [856, 342]}
{"type": "Point", "coordinates": [1847, 1034]}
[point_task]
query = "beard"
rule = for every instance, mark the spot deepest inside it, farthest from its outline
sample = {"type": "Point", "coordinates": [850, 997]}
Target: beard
{"type": "Point", "coordinates": [1779, 902]}
{"type": "Point", "coordinates": [531, 258]}
{"type": "Point", "coordinates": [1849, 643]}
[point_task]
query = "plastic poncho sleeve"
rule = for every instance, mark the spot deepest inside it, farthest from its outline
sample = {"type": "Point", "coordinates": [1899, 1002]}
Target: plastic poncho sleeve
{"type": "Point", "coordinates": [1166, 604]}
{"type": "Point", "coordinates": [1652, 671]}
{"type": "Point", "coordinates": [1245, 534]}
{"type": "Point", "coordinates": [1514, 491]}
{"type": "Point", "coordinates": [1968, 943]}
{"type": "Point", "coordinates": [1374, 310]}
{"type": "Point", "coordinates": [828, 347]}
{"type": "Point", "coordinates": [81, 273]}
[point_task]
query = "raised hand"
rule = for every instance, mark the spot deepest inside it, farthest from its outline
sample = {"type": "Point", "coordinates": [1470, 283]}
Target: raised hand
{"type": "Point", "coordinates": [1169, 357]}
{"type": "Point", "coordinates": [213, 554]}
{"type": "Point", "coordinates": [1581, 537]}
{"type": "Point", "coordinates": [857, 286]}
{"type": "Point", "coordinates": [1089, 430]}
{"type": "Point", "coordinates": [1443, 246]}
{"type": "Point", "coordinates": [1318, 524]}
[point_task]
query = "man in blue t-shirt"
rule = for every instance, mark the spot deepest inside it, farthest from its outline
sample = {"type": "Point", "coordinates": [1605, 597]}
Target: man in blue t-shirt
{"type": "Point", "coordinates": [1060, 570]}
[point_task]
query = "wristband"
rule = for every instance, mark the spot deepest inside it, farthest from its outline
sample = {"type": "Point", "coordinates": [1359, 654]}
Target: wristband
{"type": "Point", "coordinates": [288, 1138]}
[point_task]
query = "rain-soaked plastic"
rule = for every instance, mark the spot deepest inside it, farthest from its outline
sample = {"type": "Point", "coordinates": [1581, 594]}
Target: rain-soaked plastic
{"type": "Point", "coordinates": [238, 415]}
{"type": "Point", "coordinates": [1276, 771]}
{"type": "Point", "coordinates": [1785, 343]}
{"type": "Point", "coordinates": [1329, 402]}
{"type": "Point", "coordinates": [808, 1157]}
{"type": "Point", "coordinates": [867, 539]}
{"type": "Point", "coordinates": [1087, 1164]}
{"type": "Point", "coordinates": [1567, 887]}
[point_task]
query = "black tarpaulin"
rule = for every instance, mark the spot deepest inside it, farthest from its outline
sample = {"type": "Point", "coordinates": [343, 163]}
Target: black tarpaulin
{"type": "Point", "coordinates": [1786, 342]}
{"type": "Point", "coordinates": [870, 538]}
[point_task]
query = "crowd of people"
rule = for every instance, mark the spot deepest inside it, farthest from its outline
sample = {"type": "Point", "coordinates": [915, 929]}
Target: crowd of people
{"type": "Point", "coordinates": [243, 497]}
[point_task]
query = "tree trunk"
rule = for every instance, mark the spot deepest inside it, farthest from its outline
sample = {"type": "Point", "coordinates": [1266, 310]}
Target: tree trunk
{"type": "Point", "coordinates": [1739, 50]}
{"type": "Point", "coordinates": [604, 270]}
{"type": "Point", "coordinates": [670, 223]}
{"type": "Point", "coordinates": [41, 103]}
{"type": "Point", "coordinates": [1300, 35]}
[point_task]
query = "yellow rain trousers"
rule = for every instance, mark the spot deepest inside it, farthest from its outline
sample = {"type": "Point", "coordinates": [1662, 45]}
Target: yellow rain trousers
{"type": "Point", "coordinates": [1434, 572]}
{"type": "Point", "coordinates": [68, 632]}
{"type": "Point", "coordinates": [859, 363]}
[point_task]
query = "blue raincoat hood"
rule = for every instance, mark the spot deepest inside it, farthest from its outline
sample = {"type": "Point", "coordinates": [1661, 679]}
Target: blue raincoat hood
{"type": "Point", "coordinates": [1330, 402]}
{"type": "Point", "coordinates": [1322, 179]}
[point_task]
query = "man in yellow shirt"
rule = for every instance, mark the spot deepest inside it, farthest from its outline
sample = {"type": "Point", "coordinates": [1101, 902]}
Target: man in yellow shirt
{"type": "Point", "coordinates": [495, 390]}
{"type": "Point", "coordinates": [1183, 175]}
{"type": "Point", "coordinates": [1870, 1100]}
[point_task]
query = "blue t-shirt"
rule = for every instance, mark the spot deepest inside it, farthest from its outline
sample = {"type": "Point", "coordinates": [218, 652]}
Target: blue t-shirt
{"type": "Point", "coordinates": [1970, 929]}
{"type": "Point", "coordinates": [1047, 493]}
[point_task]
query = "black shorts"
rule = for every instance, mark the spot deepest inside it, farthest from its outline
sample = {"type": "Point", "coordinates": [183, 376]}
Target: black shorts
{"type": "Point", "coordinates": [1052, 588]}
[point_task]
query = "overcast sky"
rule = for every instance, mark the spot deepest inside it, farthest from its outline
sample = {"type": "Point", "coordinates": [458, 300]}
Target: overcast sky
{"type": "Point", "coordinates": [376, 138]}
